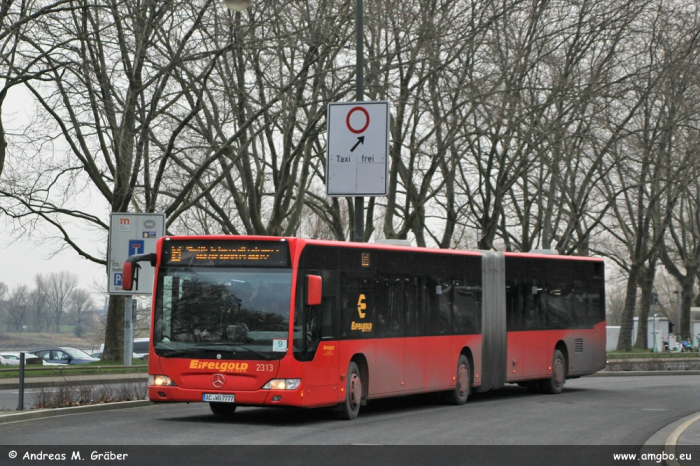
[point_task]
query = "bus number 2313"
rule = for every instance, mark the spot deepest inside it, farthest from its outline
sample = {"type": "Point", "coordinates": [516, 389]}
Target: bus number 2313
{"type": "Point", "coordinates": [264, 367]}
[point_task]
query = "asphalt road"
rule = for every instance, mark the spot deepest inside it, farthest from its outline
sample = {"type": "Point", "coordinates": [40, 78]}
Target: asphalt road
{"type": "Point", "coordinates": [591, 411]}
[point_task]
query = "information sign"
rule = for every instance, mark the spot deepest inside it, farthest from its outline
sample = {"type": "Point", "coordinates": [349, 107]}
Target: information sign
{"type": "Point", "coordinates": [357, 157]}
{"type": "Point", "coordinates": [131, 234]}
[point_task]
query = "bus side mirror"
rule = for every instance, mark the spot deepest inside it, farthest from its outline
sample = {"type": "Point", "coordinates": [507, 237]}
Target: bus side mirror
{"type": "Point", "coordinates": [313, 290]}
{"type": "Point", "coordinates": [130, 270]}
{"type": "Point", "coordinates": [127, 276]}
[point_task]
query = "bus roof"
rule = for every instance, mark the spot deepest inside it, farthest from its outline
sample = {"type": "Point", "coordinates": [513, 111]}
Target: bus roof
{"type": "Point", "coordinates": [297, 244]}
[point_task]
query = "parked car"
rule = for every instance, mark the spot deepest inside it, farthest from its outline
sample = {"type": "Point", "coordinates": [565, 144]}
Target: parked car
{"type": "Point", "coordinates": [11, 358]}
{"type": "Point", "coordinates": [141, 347]}
{"type": "Point", "coordinates": [64, 355]}
{"type": "Point", "coordinates": [98, 355]}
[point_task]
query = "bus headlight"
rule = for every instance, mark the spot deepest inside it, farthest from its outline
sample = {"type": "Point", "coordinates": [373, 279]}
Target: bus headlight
{"type": "Point", "coordinates": [282, 384]}
{"type": "Point", "coordinates": [161, 381]}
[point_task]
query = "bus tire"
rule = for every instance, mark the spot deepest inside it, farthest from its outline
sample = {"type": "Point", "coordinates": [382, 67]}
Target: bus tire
{"type": "Point", "coordinates": [460, 394]}
{"type": "Point", "coordinates": [555, 383]}
{"type": "Point", "coordinates": [350, 408]}
{"type": "Point", "coordinates": [222, 409]}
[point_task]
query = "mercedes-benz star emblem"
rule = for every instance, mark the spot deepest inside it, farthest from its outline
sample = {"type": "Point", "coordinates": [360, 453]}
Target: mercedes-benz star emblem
{"type": "Point", "coordinates": [218, 380]}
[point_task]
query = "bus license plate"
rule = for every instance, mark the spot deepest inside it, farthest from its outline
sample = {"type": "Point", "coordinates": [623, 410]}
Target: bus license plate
{"type": "Point", "coordinates": [219, 398]}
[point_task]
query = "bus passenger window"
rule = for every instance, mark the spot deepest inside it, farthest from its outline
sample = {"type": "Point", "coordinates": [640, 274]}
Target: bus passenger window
{"type": "Point", "coordinates": [514, 306]}
{"type": "Point", "coordinates": [412, 298]}
{"type": "Point", "coordinates": [467, 309]}
{"type": "Point", "coordinates": [440, 306]}
{"type": "Point", "coordinates": [556, 306]}
{"type": "Point", "coordinates": [531, 307]}
{"type": "Point", "coordinates": [580, 305]}
{"type": "Point", "coordinates": [390, 306]}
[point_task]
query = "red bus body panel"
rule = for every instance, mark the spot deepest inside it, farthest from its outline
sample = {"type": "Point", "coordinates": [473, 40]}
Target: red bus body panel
{"type": "Point", "coordinates": [430, 365]}
{"type": "Point", "coordinates": [530, 352]}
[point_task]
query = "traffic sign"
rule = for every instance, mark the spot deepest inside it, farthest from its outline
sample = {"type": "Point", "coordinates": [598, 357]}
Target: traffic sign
{"type": "Point", "coordinates": [357, 156]}
{"type": "Point", "coordinates": [131, 234]}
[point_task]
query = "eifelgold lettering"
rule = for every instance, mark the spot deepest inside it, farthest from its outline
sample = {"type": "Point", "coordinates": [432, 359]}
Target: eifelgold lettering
{"type": "Point", "coordinates": [219, 366]}
{"type": "Point", "coordinates": [361, 326]}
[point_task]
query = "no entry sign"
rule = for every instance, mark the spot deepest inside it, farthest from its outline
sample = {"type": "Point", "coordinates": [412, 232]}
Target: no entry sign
{"type": "Point", "coordinates": [357, 157]}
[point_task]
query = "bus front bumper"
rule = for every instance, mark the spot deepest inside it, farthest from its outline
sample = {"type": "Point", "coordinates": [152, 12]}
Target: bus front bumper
{"type": "Point", "coordinates": [170, 394]}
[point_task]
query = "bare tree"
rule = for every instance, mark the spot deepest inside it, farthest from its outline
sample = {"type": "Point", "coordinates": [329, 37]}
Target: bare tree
{"type": "Point", "coordinates": [39, 313]}
{"type": "Point", "coordinates": [17, 306]}
{"type": "Point", "coordinates": [80, 304]}
{"type": "Point", "coordinates": [279, 70]}
{"type": "Point", "coordinates": [684, 238]}
{"type": "Point", "coordinates": [60, 288]}
{"type": "Point", "coordinates": [651, 173]}
{"type": "Point", "coordinates": [531, 124]}
{"type": "Point", "coordinates": [107, 83]}
{"type": "Point", "coordinates": [3, 304]}
{"type": "Point", "coordinates": [15, 20]}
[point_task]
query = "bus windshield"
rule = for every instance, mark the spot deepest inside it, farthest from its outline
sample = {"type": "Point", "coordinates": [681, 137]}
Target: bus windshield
{"type": "Point", "coordinates": [215, 312]}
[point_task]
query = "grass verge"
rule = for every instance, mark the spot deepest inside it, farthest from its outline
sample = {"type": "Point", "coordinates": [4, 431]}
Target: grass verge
{"type": "Point", "coordinates": [102, 367]}
{"type": "Point", "coordinates": [68, 394]}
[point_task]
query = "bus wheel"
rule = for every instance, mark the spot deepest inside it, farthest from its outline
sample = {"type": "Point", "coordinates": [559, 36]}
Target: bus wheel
{"type": "Point", "coordinates": [459, 395]}
{"type": "Point", "coordinates": [555, 383]}
{"type": "Point", "coordinates": [222, 409]}
{"type": "Point", "coordinates": [353, 394]}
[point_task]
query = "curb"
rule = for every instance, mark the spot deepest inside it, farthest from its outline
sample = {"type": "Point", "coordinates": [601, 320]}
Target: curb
{"type": "Point", "coordinates": [672, 440]}
{"type": "Point", "coordinates": [44, 413]}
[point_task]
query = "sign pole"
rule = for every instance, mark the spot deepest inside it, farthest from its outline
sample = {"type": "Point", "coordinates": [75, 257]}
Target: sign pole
{"type": "Point", "coordinates": [359, 96]}
{"type": "Point", "coordinates": [22, 362]}
{"type": "Point", "coordinates": [129, 304]}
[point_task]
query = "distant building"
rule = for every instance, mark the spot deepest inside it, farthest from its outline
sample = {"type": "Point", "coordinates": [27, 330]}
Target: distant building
{"type": "Point", "coordinates": [661, 325]}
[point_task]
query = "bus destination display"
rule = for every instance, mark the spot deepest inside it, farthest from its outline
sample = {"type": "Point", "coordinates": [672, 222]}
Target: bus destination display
{"type": "Point", "coordinates": [226, 253]}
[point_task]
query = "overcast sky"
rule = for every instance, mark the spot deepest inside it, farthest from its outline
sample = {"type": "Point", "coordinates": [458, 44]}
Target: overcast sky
{"type": "Point", "coordinates": [26, 257]}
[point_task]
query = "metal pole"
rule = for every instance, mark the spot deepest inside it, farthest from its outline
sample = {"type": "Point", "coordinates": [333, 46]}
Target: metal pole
{"type": "Point", "coordinates": [20, 404]}
{"type": "Point", "coordinates": [359, 97]}
{"type": "Point", "coordinates": [680, 318]}
{"type": "Point", "coordinates": [653, 350]}
{"type": "Point", "coordinates": [129, 304]}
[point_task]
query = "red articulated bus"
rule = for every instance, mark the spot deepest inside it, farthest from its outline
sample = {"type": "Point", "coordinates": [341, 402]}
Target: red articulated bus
{"type": "Point", "coordinates": [267, 321]}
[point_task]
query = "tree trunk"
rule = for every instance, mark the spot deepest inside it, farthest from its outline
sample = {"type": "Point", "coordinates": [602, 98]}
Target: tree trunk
{"type": "Point", "coordinates": [686, 303]}
{"type": "Point", "coordinates": [646, 283]}
{"type": "Point", "coordinates": [114, 333]}
{"type": "Point", "coordinates": [627, 325]}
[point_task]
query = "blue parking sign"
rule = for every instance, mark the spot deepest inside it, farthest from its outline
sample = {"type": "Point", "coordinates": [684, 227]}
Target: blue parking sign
{"type": "Point", "coordinates": [117, 279]}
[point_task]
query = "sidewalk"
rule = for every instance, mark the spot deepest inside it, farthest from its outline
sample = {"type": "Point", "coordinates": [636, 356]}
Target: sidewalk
{"type": "Point", "coordinates": [686, 439]}
{"type": "Point", "coordinates": [85, 379]}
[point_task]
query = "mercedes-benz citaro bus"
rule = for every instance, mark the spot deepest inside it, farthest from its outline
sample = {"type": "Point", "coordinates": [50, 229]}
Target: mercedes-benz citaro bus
{"type": "Point", "coordinates": [269, 321]}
